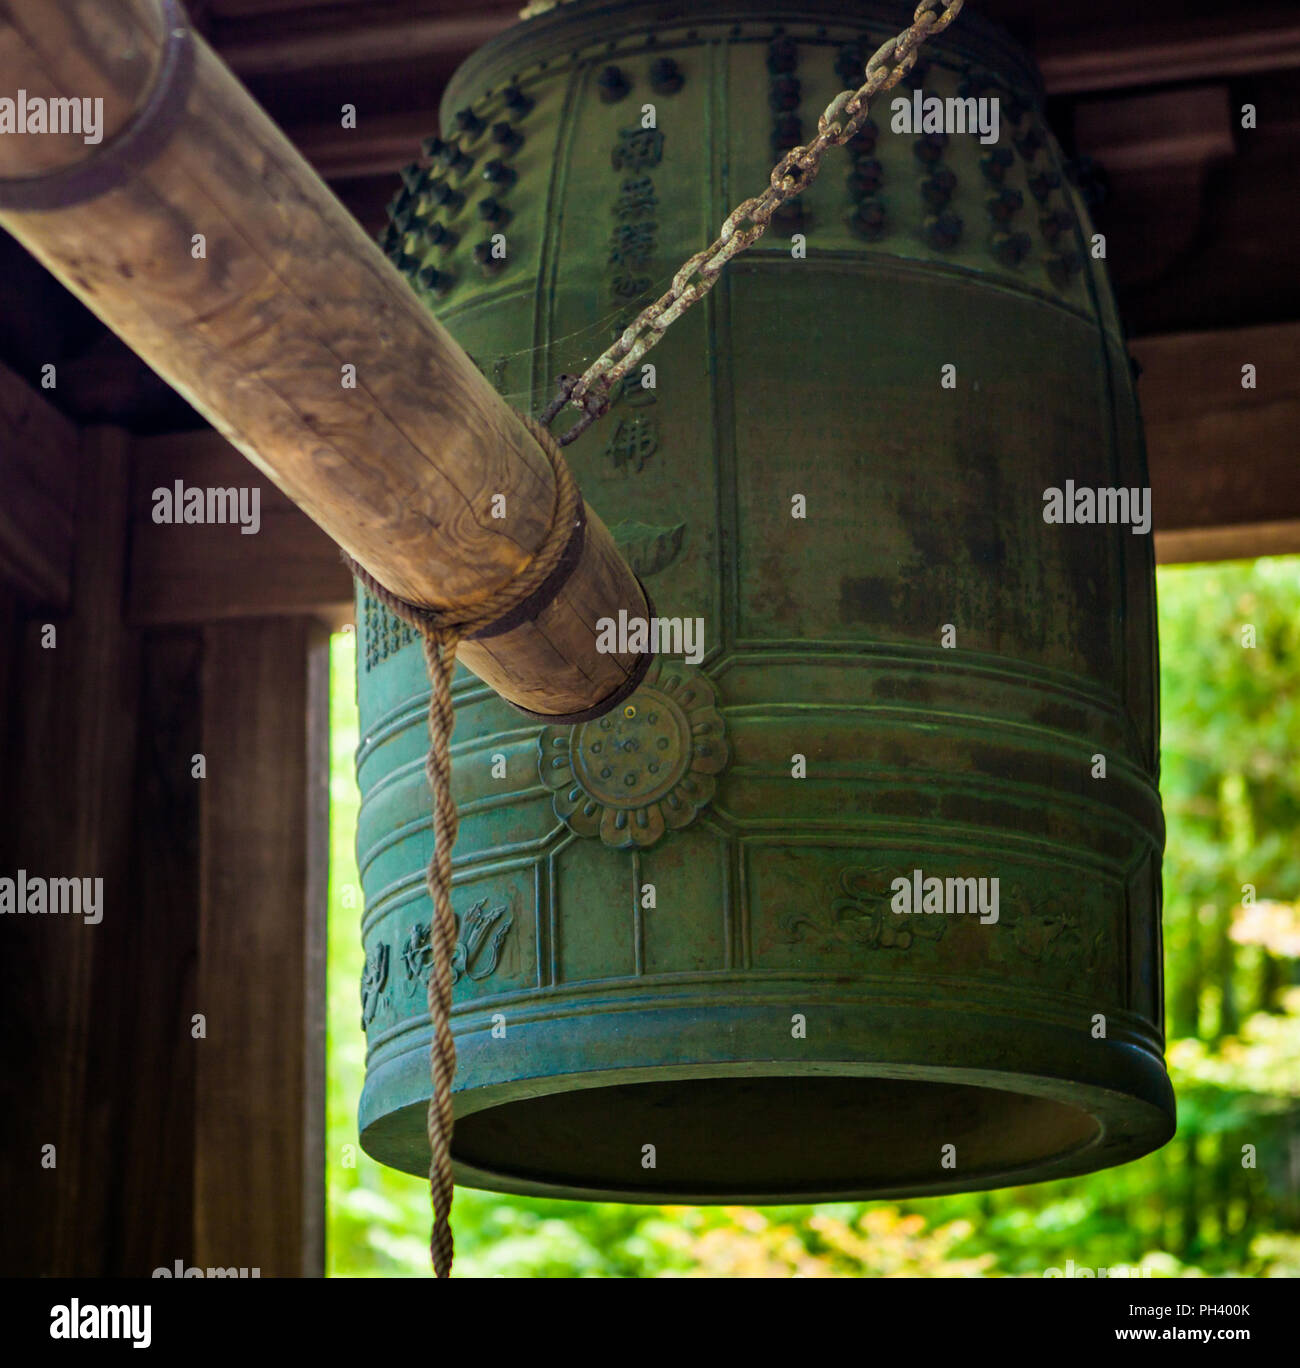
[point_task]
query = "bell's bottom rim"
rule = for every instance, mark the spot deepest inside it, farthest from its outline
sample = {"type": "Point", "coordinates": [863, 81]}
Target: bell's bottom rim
{"type": "Point", "coordinates": [1118, 1087]}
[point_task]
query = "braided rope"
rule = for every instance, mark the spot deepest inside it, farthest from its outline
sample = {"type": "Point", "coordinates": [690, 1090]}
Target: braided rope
{"type": "Point", "coordinates": [442, 631]}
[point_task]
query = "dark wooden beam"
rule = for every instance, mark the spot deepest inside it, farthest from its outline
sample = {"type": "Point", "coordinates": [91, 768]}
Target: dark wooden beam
{"type": "Point", "coordinates": [1108, 52]}
{"type": "Point", "coordinates": [381, 145]}
{"type": "Point", "coordinates": [1113, 55]}
{"type": "Point", "coordinates": [1139, 134]}
{"type": "Point", "coordinates": [193, 573]}
{"type": "Point", "coordinates": [1239, 42]}
{"type": "Point", "coordinates": [1224, 475]}
{"type": "Point", "coordinates": [38, 458]}
{"type": "Point", "coordinates": [1244, 542]}
{"type": "Point", "coordinates": [259, 1115]}
{"type": "Point", "coordinates": [360, 37]}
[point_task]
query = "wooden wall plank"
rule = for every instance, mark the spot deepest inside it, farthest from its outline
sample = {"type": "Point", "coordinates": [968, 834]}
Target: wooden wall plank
{"type": "Point", "coordinates": [150, 996]}
{"type": "Point", "coordinates": [211, 1150]}
{"type": "Point", "coordinates": [38, 454]}
{"type": "Point", "coordinates": [259, 1114]}
{"type": "Point", "coordinates": [74, 774]}
{"type": "Point", "coordinates": [205, 573]}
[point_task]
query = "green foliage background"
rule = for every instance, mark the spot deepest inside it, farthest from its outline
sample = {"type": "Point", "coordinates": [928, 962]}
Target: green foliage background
{"type": "Point", "coordinates": [1231, 787]}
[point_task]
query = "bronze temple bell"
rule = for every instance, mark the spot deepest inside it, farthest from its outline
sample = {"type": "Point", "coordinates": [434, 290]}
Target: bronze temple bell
{"type": "Point", "coordinates": [862, 900]}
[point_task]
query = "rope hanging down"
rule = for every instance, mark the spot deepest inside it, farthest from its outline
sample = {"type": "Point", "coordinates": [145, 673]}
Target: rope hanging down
{"type": "Point", "coordinates": [442, 632]}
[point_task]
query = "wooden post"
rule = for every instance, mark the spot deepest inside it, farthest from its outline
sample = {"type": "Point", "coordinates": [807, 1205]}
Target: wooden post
{"type": "Point", "coordinates": [215, 251]}
{"type": "Point", "coordinates": [260, 1105]}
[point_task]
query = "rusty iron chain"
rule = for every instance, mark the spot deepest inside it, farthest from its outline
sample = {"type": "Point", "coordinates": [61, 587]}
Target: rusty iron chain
{"type": "Point", "coordinates": [793, 174]}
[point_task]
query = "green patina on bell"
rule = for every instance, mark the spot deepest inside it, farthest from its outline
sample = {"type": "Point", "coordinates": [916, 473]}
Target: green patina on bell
{"type": "Point", "coordinates": [683, 971]}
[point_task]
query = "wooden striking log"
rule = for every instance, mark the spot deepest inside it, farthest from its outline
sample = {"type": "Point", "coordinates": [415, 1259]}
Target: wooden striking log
{"type": "Point", "coordinates": [212, 248]}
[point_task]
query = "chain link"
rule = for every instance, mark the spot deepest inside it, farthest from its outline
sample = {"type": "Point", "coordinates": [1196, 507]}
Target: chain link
{"type": "Point", "coordinates": [793, 174]}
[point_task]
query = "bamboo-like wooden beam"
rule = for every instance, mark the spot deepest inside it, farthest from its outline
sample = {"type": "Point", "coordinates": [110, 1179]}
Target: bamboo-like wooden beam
{"type": "Point", "coordinates": [226, 263]}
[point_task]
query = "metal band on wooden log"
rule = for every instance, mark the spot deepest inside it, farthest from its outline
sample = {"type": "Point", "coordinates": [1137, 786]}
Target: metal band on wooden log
{"type": "Point", "coordinates": [215, 251]}
{"type": "Point", "coordinates": [131, 148]}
